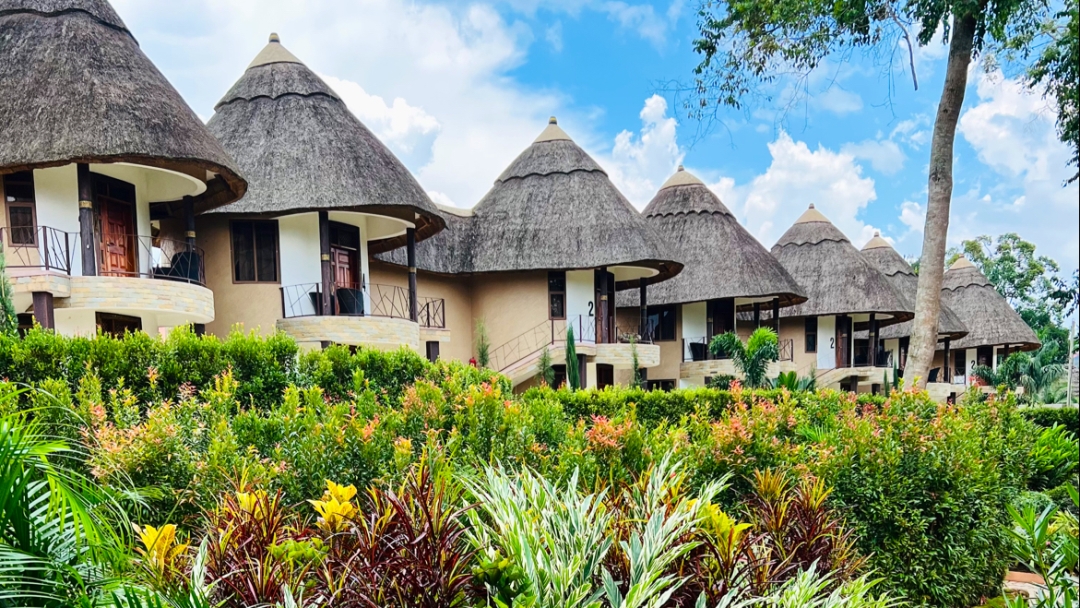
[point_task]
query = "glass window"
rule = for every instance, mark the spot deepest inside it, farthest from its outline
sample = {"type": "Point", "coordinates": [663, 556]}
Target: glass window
{"type": "Point", "coordinates": [19, 196]}
{"type": "Point", "coordinates": [255, 251]}
{"type": "Point", "coordinates": [557, 295]}
{"type": "Point", "coordinates": [811, 334]}
{"type": "Point", "coordinates": [662, 323]}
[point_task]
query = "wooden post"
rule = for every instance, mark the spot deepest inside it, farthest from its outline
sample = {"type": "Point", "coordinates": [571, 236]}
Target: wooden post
{"type": "Point", "coordinates": [602, 308]}
{"type": "Point", "coordinates": [757, 315]}
{"type": "Point", "coordinates": [410, 249]}
{"type": "Point", "coordinates": [643, 305]}
{"type": "Point", "coordinates": [327, 269]}
{"type": "Point", "coordinates": [873, 340]}
{"type": "Point", "coordinates": [43, 309]}
{"type": "Point", "coordinates": [946, 375]}
{"type": "Point", "coordinates": [776, 315]}
{"type": "Point", "coordinates": [86, 221]}
{"type": "Point", "coordinates": [189, 222]}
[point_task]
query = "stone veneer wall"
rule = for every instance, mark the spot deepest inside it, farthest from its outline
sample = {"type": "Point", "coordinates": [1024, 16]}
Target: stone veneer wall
{"type": "Point", "coordinates": [379, 332]}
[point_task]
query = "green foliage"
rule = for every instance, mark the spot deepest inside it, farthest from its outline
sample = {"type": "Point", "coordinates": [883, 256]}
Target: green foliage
{"type": "Point", "coordinates": [544, 369]}
{"type": "Point", "coordinates": [751, 359]}
{"type": "Point", "coordinates": [482, 343]}
{"type": "Point", "coordinates": [1055, 458]}
{"type": "Point", "coordinates": [792, 382]}
{"type": "Point", "coordinates": [573, 374]}
{"type": "Point", "coordinates": [1030, 371]}
{"type": "Point", "coordinates": [9, 324]}
{"type": "Point", "coordinates": [1046, 543]}
{"type": "Point", "coordinates": [1046, 417]}
{"type": "Point", "coordinates": [1057, 70]}
{"type": "Point", "coordinates": [61, 538]}
{"type": "Point", "coordinates": [636, 380]}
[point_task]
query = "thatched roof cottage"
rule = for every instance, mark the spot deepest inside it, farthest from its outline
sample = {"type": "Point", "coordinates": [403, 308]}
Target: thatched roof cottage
{"type": "Point", "coordinates": [545, 249]}
{"type": "Point", "coordinates": [846, 294]}
{"type": "Point", "coordinates": [95, 147]}
{"type": "Point", "coordinates": [323, 193]}
{"type": "Point", "coordinates": [724, 269]}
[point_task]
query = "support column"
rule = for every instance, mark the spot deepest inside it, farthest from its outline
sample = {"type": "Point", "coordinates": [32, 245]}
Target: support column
{"type": "Point", "coordinates": [776, 315]}
{"type": "Point", "coordinates": [410, 248]}
{"type": "Point", "coordinates": [643, 305]}
{"type": "Point", "coordinates": [327, 270]}
{"type": "Point", "coordinates": [946, 368]}
{"type": "Point", "coordinates": [602, 308]}
{"type": "Point", "coordinates": [757, 315]}
{"type": "Point", "coordinates": [43, 309]}
{"type": "Point", "coordinates": [1005, 353]}
{"type": "Point", "coordinates": [873, 340]}
{"type": "Point", "coordinates": [189, 222]}
{"type": "Point", "coordinates": [87, 245]}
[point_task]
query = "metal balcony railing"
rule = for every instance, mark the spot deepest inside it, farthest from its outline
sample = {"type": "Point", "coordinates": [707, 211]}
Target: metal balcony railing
{"type": "Point", "coordinates": [138, 255]}
{"type": "Point", "coordinates": [305, 300]}
{"type": "Point", "coordinates": [38, 248]}
{"type": "Point", "coordinates": [130, 255]}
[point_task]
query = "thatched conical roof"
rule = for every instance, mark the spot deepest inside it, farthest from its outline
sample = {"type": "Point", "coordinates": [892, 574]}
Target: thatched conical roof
{"type": "Point", "coordinates": [989, 318]}
{"type": "Point", "coordinates": [303, 150]}
{"type": "Point", "coordinates": [903, 278]}
{"type": "Point", "coordinates": [78, 89]}
{"type": "Point", "coordinates": [837, 278]}
{"type": "Point", "coordinates": [720, 258]}
{"type": "Point", "coordinates": [553, 208]}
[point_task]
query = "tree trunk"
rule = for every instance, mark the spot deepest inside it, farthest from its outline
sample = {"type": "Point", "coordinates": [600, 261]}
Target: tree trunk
{"type": "Point", "coordinates": [932, 264]}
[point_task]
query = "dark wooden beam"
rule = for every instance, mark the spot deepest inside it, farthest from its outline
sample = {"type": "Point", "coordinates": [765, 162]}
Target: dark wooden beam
{"type": "Point", "coordinates": [946, 367]}
{"type": "Point", "coordinates": [189, 222]}
{"type": "Point", "coordinates": [643, 305]}
{"type": "Point", "coordinates": [410, 254]}
{"type": "Point", "coordinates": [87, 246]}
{"type": "Point", "coordinates": [43, 309]}
{"type": "Point", "coordinates": [327, 269]}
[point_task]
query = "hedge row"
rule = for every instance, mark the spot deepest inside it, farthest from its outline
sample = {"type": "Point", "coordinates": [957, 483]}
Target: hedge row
{"type": "Point", "coordinates": [1046, 417]}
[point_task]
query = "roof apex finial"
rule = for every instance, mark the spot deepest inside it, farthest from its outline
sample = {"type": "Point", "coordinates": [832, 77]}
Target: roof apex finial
{"type": "Point", "coordinates": [553, 121]}
{"type": "Point", "coordinates": [274, 37]}
{"type": "Point", "coordinates": [811, 205]}
{"type": "Point", "coordinates": [681, 168]}
{"type": "Point", "coordinates": [877, 233]}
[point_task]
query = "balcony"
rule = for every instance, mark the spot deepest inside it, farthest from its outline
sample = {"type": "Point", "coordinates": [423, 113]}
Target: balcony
{"type": "Point", "coordinates": [41, 249]}
{"type": "Point", "coordinates": [387, 301]}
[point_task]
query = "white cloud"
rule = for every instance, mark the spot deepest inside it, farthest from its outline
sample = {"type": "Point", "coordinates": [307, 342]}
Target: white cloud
{"type": "Point", "coordinates": [639, 164]}
{"type": "Point", "coordinates": [430, 79]}
{"type": "Point", "coordinates": [1012, 132]}
{"type": "Point", "coordinates": [883, 154]}
{"type": "Point", "coordinates": [401, 126]}
{"type": "Point", "coordinates": [837, 100]}
{"type": "Point", "coordinates": [798, 176]}
{"type": "Point", "coordinates": [913, 216]}
{"type": "Point", "coordinates": [553, 35]}
{"type": "Point", "coordinates": [641, 18]}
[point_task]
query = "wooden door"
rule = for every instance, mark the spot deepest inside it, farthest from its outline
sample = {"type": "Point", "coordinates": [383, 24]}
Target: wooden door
{"type": "Point", "coordinates": [346, 268]}
{"type": "Point", "coordinates": [118, 237]}
{"type": "Point", "coordinates": [843, 341]}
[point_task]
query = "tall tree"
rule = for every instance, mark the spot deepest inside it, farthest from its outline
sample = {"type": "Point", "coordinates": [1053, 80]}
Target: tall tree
{"type": "Point", "coordinates": [747, 43]}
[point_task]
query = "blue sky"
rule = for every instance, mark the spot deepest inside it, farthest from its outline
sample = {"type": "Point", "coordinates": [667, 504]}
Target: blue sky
{"type": "Point", "coordinates": [458, 89]}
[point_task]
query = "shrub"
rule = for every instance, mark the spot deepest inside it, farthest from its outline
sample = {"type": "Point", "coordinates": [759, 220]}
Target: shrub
{"type": "Point", "coordinates": [1046, 417]}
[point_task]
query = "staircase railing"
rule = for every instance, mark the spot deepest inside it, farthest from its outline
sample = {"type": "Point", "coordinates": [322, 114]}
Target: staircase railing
{"type": "Point", "coordinates": [549, 333]}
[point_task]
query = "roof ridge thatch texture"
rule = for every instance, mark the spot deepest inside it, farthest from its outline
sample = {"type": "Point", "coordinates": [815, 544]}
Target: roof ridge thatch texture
{"type": "Point", "coordinates": [838, 280]}
{"type": "Point", "coordinates": [903, 278]}
{"type": "Point", "coordinates": [990, 320]}
{"type": "Point", "coordinates": [720, 258]}
{"type": "Point", "coordinates": [78, 89]}
{"type": "Point", "coordinates": [303, 150]}
{"type": "Point", "coordinates": [553, 208]}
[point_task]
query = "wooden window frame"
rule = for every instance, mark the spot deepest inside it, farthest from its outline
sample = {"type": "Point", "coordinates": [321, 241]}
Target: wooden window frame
{"type": "Point", "coordinates": [9, 205]}
{"type": "Point", "coordinates": [552, 294]}
{"type": "Point", "coordinates": [277, 252]}
{"type": "Point", "coordinates": [658, 311]}
{"type": "Point", "coordinates": [807, 333]}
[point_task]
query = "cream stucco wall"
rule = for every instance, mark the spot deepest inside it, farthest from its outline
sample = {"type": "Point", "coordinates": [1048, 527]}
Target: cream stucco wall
{"type": "Point", "coordinates": [456, 293]}
{"type": "Point", "coordinates": [251, 306]}
{"type": "Point", "coordinates": [510, 303]}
